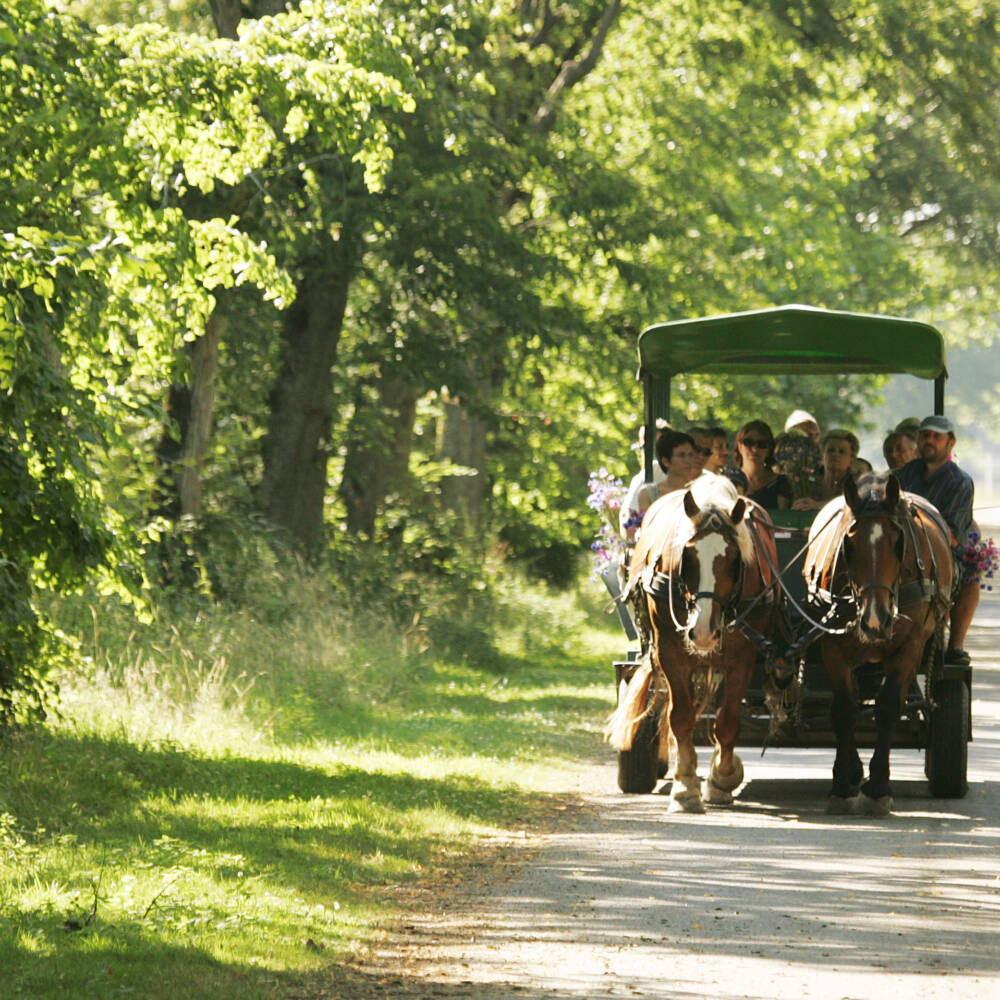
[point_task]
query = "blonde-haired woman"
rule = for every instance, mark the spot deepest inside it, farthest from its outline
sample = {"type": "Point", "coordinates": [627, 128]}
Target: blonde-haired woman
{"type": "Point", "coordinates": [839, 449]}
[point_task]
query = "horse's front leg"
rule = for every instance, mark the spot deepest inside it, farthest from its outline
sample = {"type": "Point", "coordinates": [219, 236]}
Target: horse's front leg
{"type": "Point", "coordinates": [847, 770]}
{"type": "Point", "coordinates": [876, 793]}
{"type": "Point", "coordinates": [726, 772]}
{"type": "Point", "coordinates": [876, 797]}
{"type": "Point", "coordinates": [685, 793]}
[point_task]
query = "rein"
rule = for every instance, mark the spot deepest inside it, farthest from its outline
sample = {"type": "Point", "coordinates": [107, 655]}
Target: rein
{"type": "Point", "coordinates": [817, 627]}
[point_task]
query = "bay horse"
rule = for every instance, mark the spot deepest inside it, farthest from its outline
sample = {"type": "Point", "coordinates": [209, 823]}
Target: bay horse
{"type": "Point", "coordinates": [881, 560]}
{"type": "Point", "coordinates": [710, 596]}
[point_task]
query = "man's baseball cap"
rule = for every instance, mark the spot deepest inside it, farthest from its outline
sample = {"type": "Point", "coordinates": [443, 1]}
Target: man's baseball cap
{"type": "Point", "coordinates": [937, 422]}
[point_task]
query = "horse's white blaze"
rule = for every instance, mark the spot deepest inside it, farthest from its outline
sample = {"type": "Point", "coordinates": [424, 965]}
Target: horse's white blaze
{"type": "Point", "coordinates": [709, 549]}
{"type": "Point", "coordinates": [870, 607]}
{"type": "Point", "coordinates": [876, 536]}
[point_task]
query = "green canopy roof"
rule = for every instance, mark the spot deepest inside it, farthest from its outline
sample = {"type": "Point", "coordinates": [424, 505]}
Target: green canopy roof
{"type": "Point", "coordinates": [792, 339]}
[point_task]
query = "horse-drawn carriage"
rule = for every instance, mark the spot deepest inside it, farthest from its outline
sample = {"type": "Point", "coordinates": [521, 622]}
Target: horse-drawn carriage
{"type": "Point", "coordinates": [881, 637]}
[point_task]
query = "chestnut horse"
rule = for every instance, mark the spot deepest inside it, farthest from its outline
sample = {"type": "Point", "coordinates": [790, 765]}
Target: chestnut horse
{"type": "Point", "coordinates": [883, 559]}
{"type": "Point", "coordinates": [702, 560]}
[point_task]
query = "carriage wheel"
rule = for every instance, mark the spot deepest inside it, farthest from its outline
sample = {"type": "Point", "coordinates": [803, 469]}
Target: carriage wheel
{"type": "Point", "coordinates": [639, 768]}
{"type": "Point", "coordinates": [948, 745]}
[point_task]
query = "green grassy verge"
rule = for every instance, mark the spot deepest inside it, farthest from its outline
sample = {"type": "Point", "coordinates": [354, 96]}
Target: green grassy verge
{"type": "Point", "coordinates": [219, 807]}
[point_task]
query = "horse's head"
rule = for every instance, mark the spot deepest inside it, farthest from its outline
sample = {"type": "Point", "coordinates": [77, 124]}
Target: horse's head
{"type": "Point", "coordinates": [712, 567]}
{"type": "Point", "coordinates": [874, 548]}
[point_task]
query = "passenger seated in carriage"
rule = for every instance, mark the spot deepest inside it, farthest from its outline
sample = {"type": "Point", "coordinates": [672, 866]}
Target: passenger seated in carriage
{"type": "Point", "coordinates": [839, 450]}
{"type": "Point", "coordinates": [675, 456]}
{"type": "Point", "coordinates": [754, 455]}
{"type": "Point", "coordinates": [627, 519]}
{"type": "Point", "coordinates": [900, 447]}
{"type": "Point", "coordinates": [796, 452]}
{"type": "Point", "coordinates": [935, 477]}
{"type": "Point", "coordinates": [711, 446]}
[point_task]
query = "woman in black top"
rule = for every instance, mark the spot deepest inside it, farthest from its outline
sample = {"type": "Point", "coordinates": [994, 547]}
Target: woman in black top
{"type": "Point", "coordinates": [754, 453]}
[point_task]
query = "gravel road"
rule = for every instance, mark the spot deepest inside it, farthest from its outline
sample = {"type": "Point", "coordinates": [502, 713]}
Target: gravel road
{"type": "Point", "coordinates": [770, 898]}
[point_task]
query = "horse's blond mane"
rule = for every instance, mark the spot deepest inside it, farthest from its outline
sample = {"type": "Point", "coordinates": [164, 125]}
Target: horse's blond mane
{"type": "Point", "coordinates": [715, 496]}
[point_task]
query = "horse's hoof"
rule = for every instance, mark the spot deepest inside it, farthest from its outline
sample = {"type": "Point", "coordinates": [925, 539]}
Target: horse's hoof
{"type": "Point", "coordinates": [881, 807]}
{"type": "Point", "coordinates": [726, 782]}
{"type": "Point", "coordinates": [838, 805]}
{"type": "Point", "coordinates": [717, 796]}
{"type": "Point", "coordinates": [686, 796]}
{"type": "Point", "coordinates": [689, 802]}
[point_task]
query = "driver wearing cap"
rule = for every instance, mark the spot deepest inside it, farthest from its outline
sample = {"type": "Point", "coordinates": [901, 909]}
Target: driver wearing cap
{"type": "Point", "coordinates": [936, 478]}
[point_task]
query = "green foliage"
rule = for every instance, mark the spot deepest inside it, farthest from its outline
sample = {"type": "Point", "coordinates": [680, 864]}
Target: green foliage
{"type": "Point", "coordinates": [510, 240]}
{"type": "Point", "coordinates": [220, 791]}
{"type": "Point", "coordinates": [106, 265]}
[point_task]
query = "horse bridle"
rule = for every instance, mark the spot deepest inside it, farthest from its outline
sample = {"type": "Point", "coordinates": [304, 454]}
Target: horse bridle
{"type": "Point", "coordinates": [677, 584]}
{"type": "Point", "coordinates": [858, 593]}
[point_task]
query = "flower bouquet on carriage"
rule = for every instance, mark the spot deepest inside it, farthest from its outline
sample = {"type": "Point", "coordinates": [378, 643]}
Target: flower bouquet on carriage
{"type": "Point", "coordinates": [605, 494]}
{"type": "Point", "coordinates": [981, 559]}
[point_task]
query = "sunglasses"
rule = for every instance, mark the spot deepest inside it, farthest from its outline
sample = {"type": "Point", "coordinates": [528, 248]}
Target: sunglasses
{"type": "Point", "coordinates": [755, 443]}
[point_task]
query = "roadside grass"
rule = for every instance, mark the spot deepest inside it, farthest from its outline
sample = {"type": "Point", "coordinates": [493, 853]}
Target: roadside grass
{"type": "Point", "coordinates": [222, 806]}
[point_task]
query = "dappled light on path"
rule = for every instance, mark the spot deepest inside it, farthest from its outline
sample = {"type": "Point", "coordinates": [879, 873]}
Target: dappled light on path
{"type": "Point", "coordinates": [771, 898]}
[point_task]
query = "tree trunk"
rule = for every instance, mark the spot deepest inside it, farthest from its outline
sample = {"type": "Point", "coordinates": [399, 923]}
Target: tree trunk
{"type": "Point", "coordinates": [204, 366]}
{"type": "Point", "coordinates": [379, 443]}
{"type": "Point", "coordinates": [180, 453]}
{"type": "Point", "coordinates": [297, 445]}
{"type": "Point", "coordinates": [463, 439]}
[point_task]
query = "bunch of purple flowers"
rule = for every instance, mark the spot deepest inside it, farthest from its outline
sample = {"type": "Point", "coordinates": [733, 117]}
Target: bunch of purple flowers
{"type": "Point", "coordinates": [605, 495]}
{"type": "Point", "coordinates": [982, 559]}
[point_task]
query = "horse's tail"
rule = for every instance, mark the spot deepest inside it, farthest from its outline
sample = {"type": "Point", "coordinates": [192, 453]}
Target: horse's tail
{"type": "Point", "coordinates": [633, 707]}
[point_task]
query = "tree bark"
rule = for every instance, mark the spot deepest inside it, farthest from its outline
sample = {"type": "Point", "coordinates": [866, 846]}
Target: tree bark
{"type": "Point", "coordinates": [573, 71]}
{"type": "Point", "coordinates": [380, 440]}
{"type": "Point", "coordinates": [296, 448]}
{"type": "Point", "coordinates": [189, 407]}
{"type": "Point", "coordinates": [227, 14]}
{"type": "Point", "coordinates": [204, 367]}
{"type": "Point", "coordinates": [464, 440]}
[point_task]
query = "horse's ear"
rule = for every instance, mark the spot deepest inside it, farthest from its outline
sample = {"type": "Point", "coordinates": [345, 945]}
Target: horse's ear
{"type": "Point", "coordinates": [851, 492]}
{"type": "Point", "coordinates": [739, 509]}
{"type": "Point", "coordinates": [690, 507]}
{"type": "Point", "coordinates": [891, 492]}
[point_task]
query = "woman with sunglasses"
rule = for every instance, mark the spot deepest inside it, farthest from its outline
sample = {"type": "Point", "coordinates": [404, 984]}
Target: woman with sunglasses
{"type": "Point", "coordinates": [754, 453]}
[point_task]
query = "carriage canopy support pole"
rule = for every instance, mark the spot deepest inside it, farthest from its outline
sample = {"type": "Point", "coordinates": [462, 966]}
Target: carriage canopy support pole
{"type": "Point", "coordinates": [657, 405]}
{"type": "Point", "coordinates": [939, 393]}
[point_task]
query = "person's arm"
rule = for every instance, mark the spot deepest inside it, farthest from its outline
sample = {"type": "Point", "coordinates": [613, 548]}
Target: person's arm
{"type": "Point", "coordinates": [958, 512]}
{"type": "Point", "coordinates": [783, 489]}
{"type": "Point", "coordinates": [651, 492]}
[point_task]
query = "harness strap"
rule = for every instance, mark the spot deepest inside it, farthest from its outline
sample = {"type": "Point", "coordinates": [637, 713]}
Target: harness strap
{"type": "Point", "coordinates": [930, 588]}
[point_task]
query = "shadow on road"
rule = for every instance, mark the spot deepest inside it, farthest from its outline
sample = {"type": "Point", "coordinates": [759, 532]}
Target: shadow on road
{"type": "Point", "coordinates": [641, 902]}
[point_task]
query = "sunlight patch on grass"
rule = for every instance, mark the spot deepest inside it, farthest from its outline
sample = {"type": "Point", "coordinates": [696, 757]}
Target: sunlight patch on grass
{"type": "Point", "coordinates": [216, 808]}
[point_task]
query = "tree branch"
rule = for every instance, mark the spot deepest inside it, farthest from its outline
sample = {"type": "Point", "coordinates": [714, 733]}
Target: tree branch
{"type": "Point", "coordinates": [226, 14]}
{"type": "Point", "coordinates": [543, 30]}
{"type": "Point", "coordinates": [574, 70]}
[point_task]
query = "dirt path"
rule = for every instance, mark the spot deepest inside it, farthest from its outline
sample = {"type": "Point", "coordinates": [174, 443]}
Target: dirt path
{"type": "Point", "coordinates": [769, 899]}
